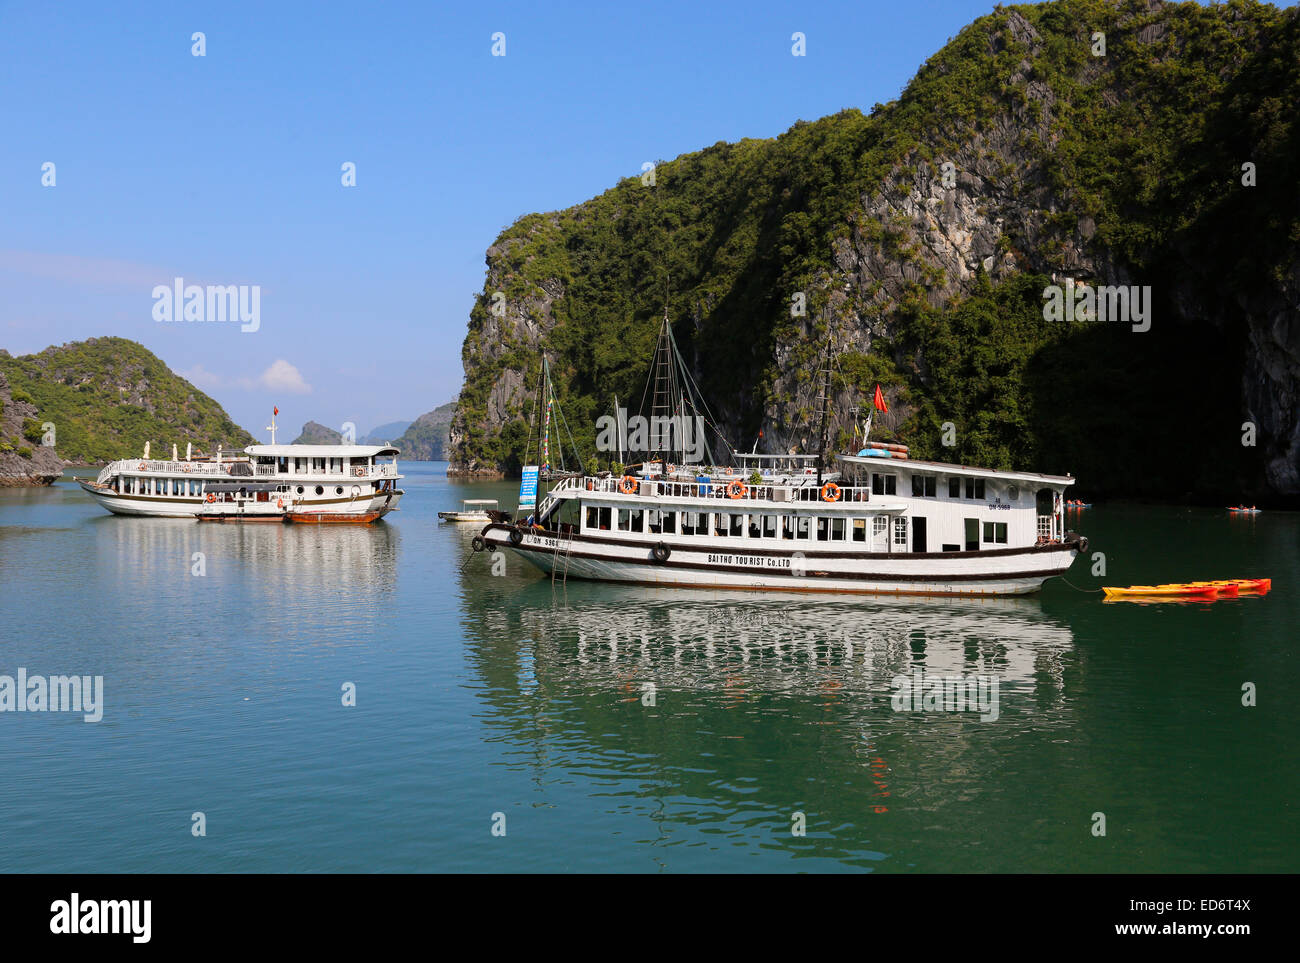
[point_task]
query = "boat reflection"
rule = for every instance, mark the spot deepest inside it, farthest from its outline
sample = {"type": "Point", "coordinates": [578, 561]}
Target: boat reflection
{"type": "Point", "coordinates": [276, 564]}
{"type": "Point", "coordinates": [693, 639]}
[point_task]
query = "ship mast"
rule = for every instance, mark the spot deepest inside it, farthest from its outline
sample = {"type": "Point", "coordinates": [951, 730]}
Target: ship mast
{"type": "Point", "coordinates": [825, 407]}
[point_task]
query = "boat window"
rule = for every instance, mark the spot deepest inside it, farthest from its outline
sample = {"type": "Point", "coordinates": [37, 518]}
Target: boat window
{"type": "Point", "coordinates": [802, 528]}
{"type": "Point", "coordinates": [879, 525]}
{"type": "Point", "coordinates": [823, 528]}
{"type": "Point", "coordinates": [923, 486]}
{"type": "Point", "coordinates": [884, 484]}
{"type": "Point", "coordinates": [719, 524]}
{"type": "Point", "coordinates": [769, 525]}
{"type": "Point", "coordinates": [688, 523]}
{"type": "Point", "coordinates": [604, 519]}
{"type": "Point", "coordinates": [900, 532]}
{"type": "Point", "coordinates": [859, 529]}
{"type": "Point", "coordinates": [320, 490]}
{"type": "Point", "coordinates": [787, 526]}
{"type": "Point", "coordinates": [954, 488]}
{"type": "Point", "coordinates": [669, 520]}
{"type": "Point", "coordinates": [624, 518]}
{"type": "Point", "coordinates": [593, 518]}
{"type": "Point", "coordinates": [638, 519]}
{"type": "Point", "coordinates": [974, 487]}
{"type": "Point", "coordinates": [995, 532]}
{"type": "Point", "coordinates": [338, 489]}
{"type": "Point", "coordinates": [737, 526]}
{"type": "Point", "coordinates": [837, 529]}
{"type": "Point", "coordinates": [652, 521]}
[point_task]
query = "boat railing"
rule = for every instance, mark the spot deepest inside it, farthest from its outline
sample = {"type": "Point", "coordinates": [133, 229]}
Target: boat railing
{"type": "Point", "coordinates": [149, 466]}
{"type": "Point", "coordinates": [178, 467]}
{"type": "Point", "coordinates": [721, 489]}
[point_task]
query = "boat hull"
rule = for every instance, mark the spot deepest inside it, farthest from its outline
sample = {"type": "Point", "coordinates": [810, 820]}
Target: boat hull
{"type": "Point", "coordinates": [998, 572]}
{"type": "Point", "coordinates": [376, 505]}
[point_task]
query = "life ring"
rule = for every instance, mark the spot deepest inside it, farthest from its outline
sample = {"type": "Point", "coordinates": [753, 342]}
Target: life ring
{"type": "Point", "coordinates": [279, 503]}
{"type": "Point", "coordinates": [669, 469]}
{"type": "Point", "coordinates": [830, 492]}
{"type": "Point", "coordinates": [186, 469]}
{"type": "Point", "coordinates": [737, 489]}
{"type": "Point", "coordinates": [730, 470]}
{"type": "Point", "coordinates": [211, 498]}
{"type": "Point", "coordinates": [516, 536]}
{"type": "Point", "coordinates": [661, 552]}
{"type": "Point", "coordinates": [141, 467]}
{"type": "Point", "coordinates": [627, 485]}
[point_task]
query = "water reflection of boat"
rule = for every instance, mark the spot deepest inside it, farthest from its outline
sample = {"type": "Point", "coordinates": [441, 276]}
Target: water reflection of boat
{"type": "Point", "coordinates": [281, 562]}
{"type": "Point", "coordinates": [698, 639]}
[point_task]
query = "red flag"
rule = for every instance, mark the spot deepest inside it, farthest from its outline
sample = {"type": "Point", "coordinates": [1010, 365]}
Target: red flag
{"type": "Point", "coordinates": [879, 400]}
{"type": "Point", "coordinates": [276, 411]}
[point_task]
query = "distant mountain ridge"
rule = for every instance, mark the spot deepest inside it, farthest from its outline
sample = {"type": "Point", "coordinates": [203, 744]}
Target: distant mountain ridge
{"type": "Point", "coordinates": [107, 396]}
{"type": "Point", "coordinates": [384, 434]}
{"type": "Point", "coordinates": [427, 437]}
{"type": "Point", "coordinates": [314, 433]}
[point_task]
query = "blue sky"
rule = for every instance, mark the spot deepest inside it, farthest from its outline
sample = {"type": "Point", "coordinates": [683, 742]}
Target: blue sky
{"type": "Point", "coordinates": [226, 169]}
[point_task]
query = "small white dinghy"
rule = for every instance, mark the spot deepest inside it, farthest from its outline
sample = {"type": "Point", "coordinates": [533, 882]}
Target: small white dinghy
{"type": "Point", "coordinates": [472, 510]}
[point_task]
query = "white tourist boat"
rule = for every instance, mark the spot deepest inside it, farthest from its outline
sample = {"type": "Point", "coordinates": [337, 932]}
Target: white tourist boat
{"type": "Point", "coordinates": [472, 510]}
{"type": "Point", "coordinates": [880, 522]}
{"type": "Point", "coordinates": [287, 483]}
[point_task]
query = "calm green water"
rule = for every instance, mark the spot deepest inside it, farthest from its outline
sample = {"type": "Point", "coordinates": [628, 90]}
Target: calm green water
{"type": "Point", "coordinates": [480, 694]}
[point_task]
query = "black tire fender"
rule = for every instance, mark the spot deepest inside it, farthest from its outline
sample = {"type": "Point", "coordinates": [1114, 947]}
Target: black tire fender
{"type": "Point", "coordinates": [516, 536]}
{"type": "Point", "coordinates": [477, 543]}
{"type": "Point", "coordinates": [661, 552]}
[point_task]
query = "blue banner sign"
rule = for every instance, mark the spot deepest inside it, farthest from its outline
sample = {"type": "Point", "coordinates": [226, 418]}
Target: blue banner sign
{"type": "Point", "coordinates": [528, 487]}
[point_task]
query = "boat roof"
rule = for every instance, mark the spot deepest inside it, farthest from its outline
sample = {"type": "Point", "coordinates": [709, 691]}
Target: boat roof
{"type": "Point", "coordinates": [321, 451]}
{"type": "Point", "coordinates": [950, 469]}
{"type": "Point", "coordinates": [479, 501]}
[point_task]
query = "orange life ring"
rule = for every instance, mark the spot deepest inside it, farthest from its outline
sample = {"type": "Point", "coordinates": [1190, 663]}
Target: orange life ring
{"type": "Point", "coordinates": [279, 503]}
{"type": "Point", "coordinates": [737, 489]}
{"type": "Point", "coordinates": [830, 492]}
{"type": "Point", "coordinates": [211, 497]}
{"type": "Point", "coordinates": [729, 471]}
{"type": "Point", "coordinates": [669, 469]}
{"type": "Point", "coordinates": [141, 467]}
{"type": "Point", "coordinates": [628, 485]}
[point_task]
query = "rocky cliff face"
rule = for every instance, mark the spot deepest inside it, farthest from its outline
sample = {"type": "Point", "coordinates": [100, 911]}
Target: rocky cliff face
{"type": "Point", "coordinates": [1018, 151]}
{"type": "Point", "coordinates": [24, 458]}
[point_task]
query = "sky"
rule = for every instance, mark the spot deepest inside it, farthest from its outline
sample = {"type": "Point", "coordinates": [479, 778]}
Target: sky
{"type": "Point", "coordinates": [226, 169]}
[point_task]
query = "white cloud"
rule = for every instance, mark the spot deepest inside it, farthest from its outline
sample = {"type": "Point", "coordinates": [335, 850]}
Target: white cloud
{"type": "Point", "coordinates": [282, 376]}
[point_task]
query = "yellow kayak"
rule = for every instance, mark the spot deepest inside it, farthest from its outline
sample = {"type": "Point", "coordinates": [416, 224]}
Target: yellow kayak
{"type": "Point", "coordinates": [1186, 589]}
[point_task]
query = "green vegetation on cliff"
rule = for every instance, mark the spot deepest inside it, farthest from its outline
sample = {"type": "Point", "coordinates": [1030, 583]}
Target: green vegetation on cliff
{"type": "Point", "coordinates": [107, 396]}
{"type": "Point", "coordinates": [1135, 161]}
